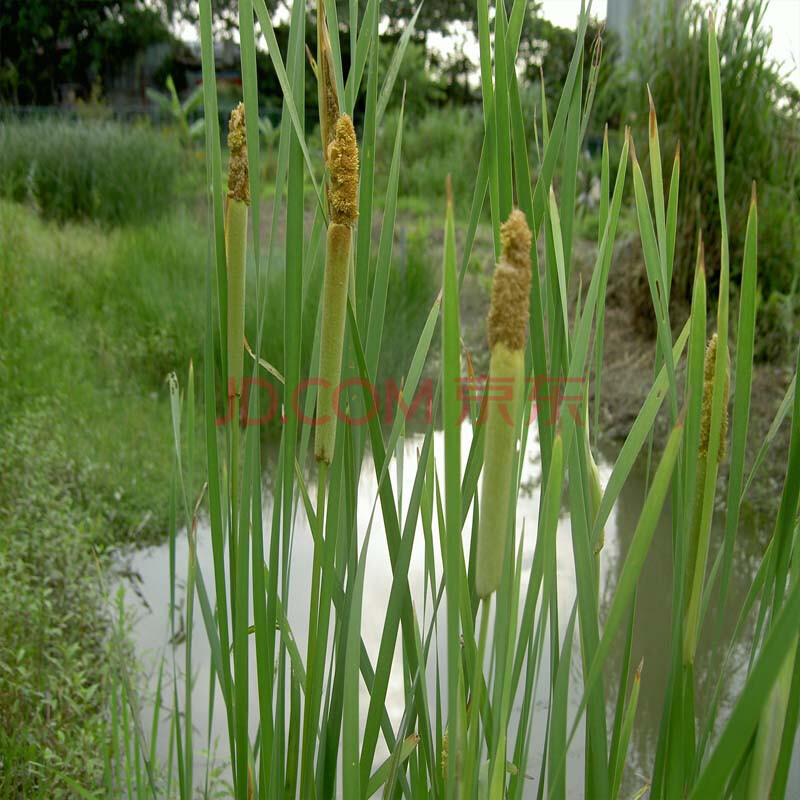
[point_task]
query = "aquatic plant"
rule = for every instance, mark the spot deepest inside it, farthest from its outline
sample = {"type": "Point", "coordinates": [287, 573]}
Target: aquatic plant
{"type": "Point", "coordinates": [461, 718]}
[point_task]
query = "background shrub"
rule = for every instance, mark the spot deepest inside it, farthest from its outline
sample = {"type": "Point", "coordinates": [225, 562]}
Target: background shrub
{"type": "Point", "coordinates": [89, 169]}
{"type": "Point", "coordinates": [761, 119]}
{"type": "Point", "coordinates": [446, 141]}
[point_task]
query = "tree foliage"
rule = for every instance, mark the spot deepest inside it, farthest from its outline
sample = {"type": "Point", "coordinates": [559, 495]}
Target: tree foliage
{"type": "Point", "coordinates": [49, 48]}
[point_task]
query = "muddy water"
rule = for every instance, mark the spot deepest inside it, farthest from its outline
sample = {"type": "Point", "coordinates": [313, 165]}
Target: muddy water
{"type": "Point", "coordinates": [149, 606]}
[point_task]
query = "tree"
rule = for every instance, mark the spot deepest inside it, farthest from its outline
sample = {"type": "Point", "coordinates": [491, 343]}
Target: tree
{"type": "Point", "coordinates": [49, 47]}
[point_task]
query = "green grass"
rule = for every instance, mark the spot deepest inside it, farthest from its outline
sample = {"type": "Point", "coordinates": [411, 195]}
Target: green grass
{"type": "Point", "coordinates": [90, 330]}
{"type": "Point", "coordinates": [52, 612]}
{"type": "Point", "coordinates": [98, 171]}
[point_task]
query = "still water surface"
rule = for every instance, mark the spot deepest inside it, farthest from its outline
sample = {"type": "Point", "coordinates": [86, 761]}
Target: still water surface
{"type": "Point", "coordinates": [149, 605]}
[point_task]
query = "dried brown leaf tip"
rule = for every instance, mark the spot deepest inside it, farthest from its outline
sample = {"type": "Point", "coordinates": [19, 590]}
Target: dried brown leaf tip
{"type": "Point", "coordinates": [328, 96]}
{"type": "Point", "coordinates": [343, 164]}
{"type": "Point", "coordinates": [508, 314]}
{"type": "Point", "coordinates": [709, 368]}
{"type": "Point", "coordinates": [238, 176]}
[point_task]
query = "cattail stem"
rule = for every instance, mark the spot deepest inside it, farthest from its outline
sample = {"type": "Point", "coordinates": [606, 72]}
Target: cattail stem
{"type": "Point", "coordinates": [236, 247]}
{"type": "Point", "coordinates": [342, 159]}
{"type": "Point", "coordinates": [501, 442]}
{"type": "Point", "coordinates": [236, 243]}
{"type": "Point", "coordinates": [704, 501]}
{"type": "Point", "coordinates": [334, 312]}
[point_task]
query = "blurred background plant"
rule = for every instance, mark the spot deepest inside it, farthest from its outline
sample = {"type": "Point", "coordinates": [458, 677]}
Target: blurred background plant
{"type": "Point", "coordinates": [181, 111]}
{"type": "Point", "coordinates": [102, 171]}
{"type": "Point", "coordinates": [762, 135]}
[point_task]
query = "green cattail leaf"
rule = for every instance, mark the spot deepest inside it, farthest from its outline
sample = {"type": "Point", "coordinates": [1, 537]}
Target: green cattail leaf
{"type": "Point", "coordinates": [291, 98]}
{"type": "Point", "coordinates": [501, 112]}
{"type": "Point", "coordinates": [394, 65]}
{"type": "Point", "coordinates": [625, 735]}
{"type": "Point", "coordinates": [655, 279]}
{"type": "Point", "coordinates": [381, 774]}
{"type": "Point", "coordinates": [766, 749]}
{"type": "Point", "coordinates": [741, 398]}
{"type": "Point", "coordinates": [489, 120]}
{"type": "Point", "coordinates": [377, 309]}
{"type": "Point", "coordinates": [451, 409]}
{"type": "Point", "coordinates": [632, 566]}
{"type": "Point", "coordinates": [536, 335]}
{"type": "Point", "coordinates": [602, 219]}
{"type": "Point", "coordinates": [657, 181]}
{"type": "Point", "coordinates": [775, 425]}
{"type": "Point", "coordinates": [557, 722]}
{"type": "Point", "coordinates": [741, 724]}
{"type": "Point", "coordinates": [398, 595]}
{"type": "Point", "coordinates": [569, 168]}
{"type": "Point", "coordinates": [351, 774]}
{"type": "Point", "coordinates": [365, 193]}
{"type": "Point", "coordinates": [367, 39]}
{"type": "Point", "coordinates": [672, 213]}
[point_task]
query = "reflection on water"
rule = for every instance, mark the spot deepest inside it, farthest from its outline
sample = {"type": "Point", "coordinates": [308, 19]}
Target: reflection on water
{"type": "Point", "coordinates": [150, 605]}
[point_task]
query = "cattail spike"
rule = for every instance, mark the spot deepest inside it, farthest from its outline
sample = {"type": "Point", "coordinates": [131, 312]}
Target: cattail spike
{"type": "Point", "coordinates": [709, 368]}
{"type": "Point", "coordinates": [343, 164]}
{"type": "Point", "coordinates": [508, 314]}
{"type": "Point", "coordinates": [238, 175]}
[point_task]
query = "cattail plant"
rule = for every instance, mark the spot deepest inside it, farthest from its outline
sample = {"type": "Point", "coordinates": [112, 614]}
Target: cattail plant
{"type": "Point", "coordinates": [700, 530]}
{"type": "Point", "coordinates": [236, 245]}
{"type": "Point", "coordinates": [469, 720]}
{"type": "Point", "coordinates": [508, 327]}
{"type": "Point", "coordinates": [342, 158]}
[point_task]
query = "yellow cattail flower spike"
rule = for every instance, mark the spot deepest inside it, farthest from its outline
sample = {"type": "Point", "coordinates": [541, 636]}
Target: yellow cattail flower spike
{"type": "Point", "coordinates": [236, 245]}
{"type": "Point", "coordinates": [508, 330]}
{"type": "Point", "coordinates": [708, 398]}
{"type": "Point", "coordinates": [343, 196]}
{"type": "Point", "coordinates": [343, 166]}
{"type": "Point", "coordinates": [704, 499]}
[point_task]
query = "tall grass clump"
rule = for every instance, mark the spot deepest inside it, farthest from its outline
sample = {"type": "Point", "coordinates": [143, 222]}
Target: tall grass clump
{"type": "Point", "coordinates": [444, 705]}
{"type": "Point", "coordinates": [437, 144]}
{"type": "Point", "coordinates": [761, 121]}
{"type": "Point", "coordinates": [85, 170]}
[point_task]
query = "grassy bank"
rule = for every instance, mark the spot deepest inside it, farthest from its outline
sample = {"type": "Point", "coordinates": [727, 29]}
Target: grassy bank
{"type": "Point", "coordinates": [88, 331]}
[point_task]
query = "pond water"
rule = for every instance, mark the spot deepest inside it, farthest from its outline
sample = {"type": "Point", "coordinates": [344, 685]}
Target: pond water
{"type": "Point", "coordinates": [149, 607]}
